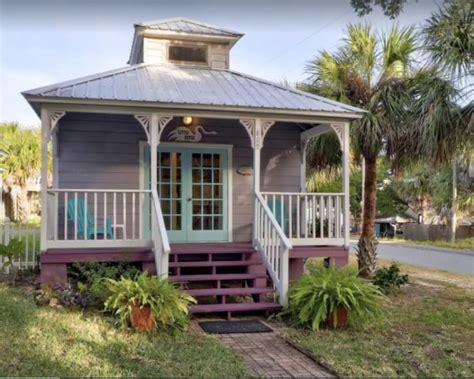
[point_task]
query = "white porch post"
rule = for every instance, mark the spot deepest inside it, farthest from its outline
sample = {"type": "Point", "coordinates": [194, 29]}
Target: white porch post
{"type": "Point", "coordinates": [154, 179]}
{"type": "Point", "coordinates": [345, 181]}
{"type": "Point", "coordinates": [153, 125]}
{"type": "Point", "coordinates": [49, 121]}
{"type": "Point", "coordinates": [257, 147]}
{"type": "Point", "coordinates": [256, 129]}
{"type": "Point", "coordinates": [45, 128]}
{"type": "Point", "coordinates": [303, 145]}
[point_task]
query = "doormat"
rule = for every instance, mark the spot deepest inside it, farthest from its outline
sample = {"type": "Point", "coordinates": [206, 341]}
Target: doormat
{"type": "Point", "coordinates": [230, 327]}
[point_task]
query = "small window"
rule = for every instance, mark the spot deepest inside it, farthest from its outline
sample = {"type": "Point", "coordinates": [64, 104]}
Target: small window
{"type": "Point", "coordinates": [196, 54]}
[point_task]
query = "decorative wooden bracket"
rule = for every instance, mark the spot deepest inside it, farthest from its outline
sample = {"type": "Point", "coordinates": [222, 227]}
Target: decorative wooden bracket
{"type": "Point", "coordinates": [54, 118]}
{"type": "Point", "coordinates": [256, 130]}
{"type": "Point", "coordinates": [162, 122]}
{"type": "Point", "coordinates": [339, 130]}
{"type": "Point", "coordinates": [145, 121]}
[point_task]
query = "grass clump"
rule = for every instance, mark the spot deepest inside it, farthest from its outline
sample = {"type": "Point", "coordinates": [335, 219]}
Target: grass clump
{"type": "Point", "coordinates": [389, 278]}
{"type": "Point", "coordinates": [87, 278]}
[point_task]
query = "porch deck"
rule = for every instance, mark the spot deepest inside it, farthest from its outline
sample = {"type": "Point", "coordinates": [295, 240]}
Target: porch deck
{"type": "Point", "coordinates": [224, 277]}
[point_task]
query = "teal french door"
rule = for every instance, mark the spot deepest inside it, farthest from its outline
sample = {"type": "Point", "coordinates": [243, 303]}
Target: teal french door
{"type": "Point", "coordinates": [193, 190]}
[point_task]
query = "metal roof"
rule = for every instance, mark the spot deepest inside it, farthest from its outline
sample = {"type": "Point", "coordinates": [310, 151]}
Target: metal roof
{"type": "Point", "coordinates": [188, 86]}
{"type": "Point", "coordinates": [186, 25]}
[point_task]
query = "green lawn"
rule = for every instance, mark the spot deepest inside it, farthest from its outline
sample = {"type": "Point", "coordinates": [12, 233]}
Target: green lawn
{"type": "Point", "coordinates": [58, 342]}
{"type": "Point", "coordinates": [428, 331]}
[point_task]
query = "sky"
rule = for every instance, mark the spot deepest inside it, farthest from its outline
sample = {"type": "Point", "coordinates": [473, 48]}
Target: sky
{"type": "Point", "coordinates": [47, 41]}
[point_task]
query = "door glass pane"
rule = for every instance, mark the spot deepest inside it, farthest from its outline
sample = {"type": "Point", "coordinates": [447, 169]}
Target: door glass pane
{"type": "Point", "coordinates": [170, 188]}
{"type": "Point", "coordinates": [207, 192]}
{"type": "Point", "coordinates": [207, 160]}
{"type": "Point", "coordinates": [207, 223]}
{"type": "Point", "coordinates": [207, 176]}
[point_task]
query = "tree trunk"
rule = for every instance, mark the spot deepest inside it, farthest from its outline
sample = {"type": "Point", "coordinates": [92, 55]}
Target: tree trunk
{"type": "Point", "coordinates": [18, 209]}
{"type": "Point", "coordinates": [367, 246]}
{"type": "Point", "coordinates": [23, 204]}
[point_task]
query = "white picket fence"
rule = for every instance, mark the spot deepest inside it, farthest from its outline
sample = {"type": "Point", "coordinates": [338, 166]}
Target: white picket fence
{"type": "Point", "coordinates": [30, 235]}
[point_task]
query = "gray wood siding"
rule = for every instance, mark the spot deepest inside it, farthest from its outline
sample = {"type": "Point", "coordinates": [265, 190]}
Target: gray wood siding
{"type": "Point", "coordinates": [102, 151]}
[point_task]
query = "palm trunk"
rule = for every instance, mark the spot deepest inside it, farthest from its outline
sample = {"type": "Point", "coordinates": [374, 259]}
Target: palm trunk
{"type": "Point", "coordinates": [367, 246]}
{"type": "Point", "coordinates": [23, 204]}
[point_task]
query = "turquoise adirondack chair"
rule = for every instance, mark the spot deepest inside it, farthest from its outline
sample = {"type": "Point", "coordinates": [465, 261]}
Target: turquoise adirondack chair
{"type": "Point", "coordinates": [277, 213]}
{"type": "Point", "coordinates": [91, 229]}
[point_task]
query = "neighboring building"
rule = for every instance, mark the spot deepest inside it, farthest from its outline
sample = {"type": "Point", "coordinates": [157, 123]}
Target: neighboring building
{"type": "Point", "coordinates": [176, 147]}
{"type": "Point", "coordinates": [390, 226]}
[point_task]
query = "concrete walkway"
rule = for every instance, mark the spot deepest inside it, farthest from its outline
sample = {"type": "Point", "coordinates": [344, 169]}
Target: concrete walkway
{"type": "Point", "coordinates": [269, 355]}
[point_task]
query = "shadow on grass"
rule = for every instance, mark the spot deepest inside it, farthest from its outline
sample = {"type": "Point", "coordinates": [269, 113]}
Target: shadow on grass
{"type": "Point", "coordinates": [59, 342]}
{"type": "Point", "coordinates": [18, 324]}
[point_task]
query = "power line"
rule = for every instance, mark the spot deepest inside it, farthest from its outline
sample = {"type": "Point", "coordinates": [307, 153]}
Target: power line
{"type": "Point", "coordinates": [281, 53]}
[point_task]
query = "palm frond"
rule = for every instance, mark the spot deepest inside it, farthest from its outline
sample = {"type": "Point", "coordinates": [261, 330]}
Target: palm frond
{"type": "Point", "coordinates": [438, 128]}
{"type": "Point", "coordinates": [398, 46]}
{"type": "Point", "coordinates": [449, 37]}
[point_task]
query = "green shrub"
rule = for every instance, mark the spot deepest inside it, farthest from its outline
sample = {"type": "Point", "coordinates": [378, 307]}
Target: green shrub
{"type": "Point", "coordinates": [169, 304]}
{"type": "Point", "coordinates": [389, 278]}
{"type": "Point", "coordinates": [89, 277]}
{"type": "Point", "coordinates": [314, 295]}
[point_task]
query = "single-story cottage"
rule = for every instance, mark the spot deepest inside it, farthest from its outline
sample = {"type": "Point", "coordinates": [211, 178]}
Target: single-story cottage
{"type": "Point", "coordinates": [192, 169]}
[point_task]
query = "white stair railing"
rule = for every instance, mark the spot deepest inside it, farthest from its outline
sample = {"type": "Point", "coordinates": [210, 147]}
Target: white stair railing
{"type": "Point", "coordinates": [274, 246]}
{"type": "Point", "coordinates": [159, 236]}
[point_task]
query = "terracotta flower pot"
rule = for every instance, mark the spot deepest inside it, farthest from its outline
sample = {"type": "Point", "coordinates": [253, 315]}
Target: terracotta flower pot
{"type": "Point", "coordinates": [142, 318]}
{"type": "Point", "coordinates": [341, 318]}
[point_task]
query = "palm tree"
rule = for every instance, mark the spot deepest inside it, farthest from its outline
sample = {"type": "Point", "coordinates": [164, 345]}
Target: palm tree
{"type": "Point", "coordinates": [368, 71]}
{"type": "Point", "coordinates": [449, 41]}
{"type": "Point", "coordinates": [21, 161]}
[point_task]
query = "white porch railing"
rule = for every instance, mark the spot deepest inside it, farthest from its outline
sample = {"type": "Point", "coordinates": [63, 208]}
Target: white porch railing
{"type": "Point", "coordinates": [30, 235]}
{"type": "Point", "coordinates": [107, 218]}
{"type": "Point", "coordinates": [98, 218]}
{"type": "Point", "coordinates": [273, 245]}
{"type": "Point", "coordinates": [309, 218]}
{"type": "Point", "coordinates": [159, 236]}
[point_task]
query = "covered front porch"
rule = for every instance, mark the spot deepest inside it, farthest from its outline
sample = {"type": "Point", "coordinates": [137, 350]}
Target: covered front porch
{"type": "Point", "coordinates": [121, 182]}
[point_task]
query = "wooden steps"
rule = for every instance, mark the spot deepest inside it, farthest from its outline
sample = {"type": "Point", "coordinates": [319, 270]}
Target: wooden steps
{"type": "Point", "coordinates": [233, 307]}
{"type": "Point", "coordinates": [225, 263]}
{"type": "Point", "coordinates": [232, 291]}
{"type": "Point", "coordinates": [224, 278]}
{"type": "Point", "coordinates": [215, 277]}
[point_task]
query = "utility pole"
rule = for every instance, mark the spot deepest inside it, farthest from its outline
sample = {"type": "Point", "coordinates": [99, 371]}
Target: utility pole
{"type": "Point", "coordinates": [362, 167]}
{"type": "Point", "coordinates": [453, 204]}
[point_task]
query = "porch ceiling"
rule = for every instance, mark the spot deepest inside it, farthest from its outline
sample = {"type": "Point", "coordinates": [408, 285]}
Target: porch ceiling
{"type": "Point", "coordinates": [188, 87]}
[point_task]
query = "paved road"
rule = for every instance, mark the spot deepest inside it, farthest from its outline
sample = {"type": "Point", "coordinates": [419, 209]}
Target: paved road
{"type": "Point", "coordinates": [439, 258]}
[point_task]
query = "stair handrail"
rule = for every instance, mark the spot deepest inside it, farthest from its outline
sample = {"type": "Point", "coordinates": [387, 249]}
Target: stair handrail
{"type": "Point", "coordinates": [274, 246]}
{"type": "Point", "coordinates": [159, 236]}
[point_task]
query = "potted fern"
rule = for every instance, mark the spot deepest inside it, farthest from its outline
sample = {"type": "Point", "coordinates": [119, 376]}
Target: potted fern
{"type": "Point", "coordinates": [147, 302]}
{"type": "Point", "coordinates": [332, 297]}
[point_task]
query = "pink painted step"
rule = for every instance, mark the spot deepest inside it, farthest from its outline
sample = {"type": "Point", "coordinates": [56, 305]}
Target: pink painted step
{"type": "Point", "coordinates": [234, 307]}
{"type": "Point", "coordinates": [248, 262]}
{"type": "Point", "coordinates": [214, 277]}
{"type": "Point", "coordinates": [234, 291]}
{"type": "Point", "coordinates": [212, 248]}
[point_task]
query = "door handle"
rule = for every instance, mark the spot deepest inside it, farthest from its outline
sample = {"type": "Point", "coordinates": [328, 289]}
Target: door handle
{"type": "Point", "coordinates": [189, 199]}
